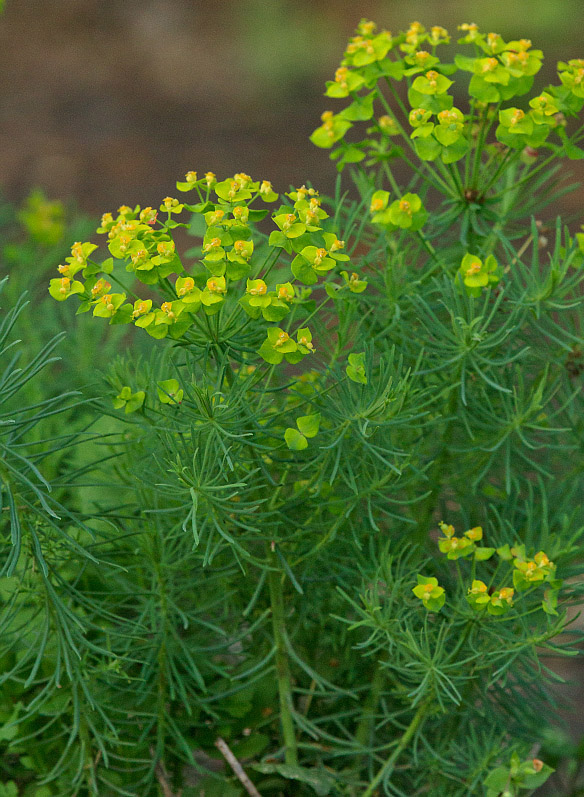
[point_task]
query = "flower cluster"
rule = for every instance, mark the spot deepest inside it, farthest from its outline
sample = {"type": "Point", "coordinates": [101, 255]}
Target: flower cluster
{"type": "Point", "coordinates": [457, 547]}
{"type": "Point", "coordinates": [525, 574]}
{"type": "Point", "coordinates": [500, 71]}
{"type": "Point", "coordinates": [531, 572]}
{"type": "Point", "coordinates": [496, 602]}
{"type": "Point", "coordinates": [142, 240]}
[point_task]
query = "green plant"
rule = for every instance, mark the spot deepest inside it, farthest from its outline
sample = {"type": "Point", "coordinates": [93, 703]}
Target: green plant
{"type": "Point", "coordinates": [336, 383]}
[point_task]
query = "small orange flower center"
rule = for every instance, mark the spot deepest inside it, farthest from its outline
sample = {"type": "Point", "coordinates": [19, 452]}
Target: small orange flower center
{"type": "Point", "coordinates": [474, 268]}
{"type": "Point", "coordinates": [288, 221]}
{"type": "Point", "coordinates": [187, 286]}
{"type": "Point", "coordinates": [141, 308]}
{"type": "Point", "coordinates": [490, 65]}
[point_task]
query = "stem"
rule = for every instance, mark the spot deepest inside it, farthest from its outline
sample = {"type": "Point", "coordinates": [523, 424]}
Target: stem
{"type": "Point", "coordinates": [508, 156]}
{"type": "Point", "coordinates": [392, 181]}
{"type": "Point", "coordinates": [438, 467]}
{"type": "Point", "coordinates": [468, 157]}
{"type": "Point", "coordinates": [483, 133]}
{"type": "Point", "coordinates": [363, 733]}
{"type": "Point", "coordinates": [431, 175]}
{"type": "Point", "coordinates": [410, 731]}
{"type": "Point", "coordinates": [530, 174]}
{"type": "Point", "coordinates": [282, 665]}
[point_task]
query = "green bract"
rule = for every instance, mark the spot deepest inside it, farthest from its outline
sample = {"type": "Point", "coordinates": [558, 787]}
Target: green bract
{"type": "Point", "coordinates": [169, 392]}
{"type": "Point", "coordinates": [356, 368]}
{"type": "Point", "coordinates": [431, 595]}
{"type": "Point", "coordinates": [308, 426]}
{"type": "Point", "coordinates": [477, 275]}
{"type": "Point", "coordinates": [128, 400]}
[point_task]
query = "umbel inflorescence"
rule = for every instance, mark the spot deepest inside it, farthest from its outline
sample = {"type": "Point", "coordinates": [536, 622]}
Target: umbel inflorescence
{"type": "Point", "coordinates": [483, 139]}
{"type": "Point", "coordinates": [228, 268]}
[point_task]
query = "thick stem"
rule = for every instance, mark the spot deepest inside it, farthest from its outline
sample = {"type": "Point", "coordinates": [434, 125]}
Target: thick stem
{"type": "Point", "coordinates": [283, 675]}
{"type": "Point", "coordinates": [387, 768]}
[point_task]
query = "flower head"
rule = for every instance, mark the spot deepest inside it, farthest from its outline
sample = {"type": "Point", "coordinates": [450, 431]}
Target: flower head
{"type": "Point", "coordinates": [430, 593]}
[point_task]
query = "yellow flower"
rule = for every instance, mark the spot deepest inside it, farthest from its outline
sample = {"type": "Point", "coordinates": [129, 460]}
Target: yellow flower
{"type": "Point", "coordinates": [281, 339]}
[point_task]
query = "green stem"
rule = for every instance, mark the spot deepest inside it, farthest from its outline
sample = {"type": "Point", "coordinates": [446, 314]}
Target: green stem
{"type": "Point", "coordinates": [529, 176]}
{"type": "Point", "coordinates": [365, 727]}
{"type": "Point", "coordinates": [283, 675]}
{"type": "Point", "coordinates": [468, 156]}
{"type": "Point", "coordinates": [483, 133]}
{"type": "Point", "coordinates": [437, 469]}
{"type": "Point", "coordinates": [393, 183]}
{"type": "Point", "coordinates": [430, 175]}
{"type": "Point", "coordinates": [510, 155]}
{"type": "Point", "coordinates": [410, 731]}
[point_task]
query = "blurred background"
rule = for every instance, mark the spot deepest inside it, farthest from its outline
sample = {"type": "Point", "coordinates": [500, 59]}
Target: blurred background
{"type": "Point", "coordinates": [110, 101]}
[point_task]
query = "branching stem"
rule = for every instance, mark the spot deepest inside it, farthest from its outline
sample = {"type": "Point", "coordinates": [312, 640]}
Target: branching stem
{"type": "Point", "coordinates": [409, 733]}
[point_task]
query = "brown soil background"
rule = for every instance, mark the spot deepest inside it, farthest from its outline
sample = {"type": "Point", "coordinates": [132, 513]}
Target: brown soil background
{"type": "Point", "coordinates": [111, 101]}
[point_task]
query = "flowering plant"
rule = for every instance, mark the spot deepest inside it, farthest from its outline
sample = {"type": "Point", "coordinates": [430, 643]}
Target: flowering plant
{"type": "Point", "coordinates": [329, 378]}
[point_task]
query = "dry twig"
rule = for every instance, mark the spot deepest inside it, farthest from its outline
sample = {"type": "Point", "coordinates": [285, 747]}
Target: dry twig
{"type": "Point", "coordinates": [162, 777]}
{"type": "Point", "coordinates": [223, 748]}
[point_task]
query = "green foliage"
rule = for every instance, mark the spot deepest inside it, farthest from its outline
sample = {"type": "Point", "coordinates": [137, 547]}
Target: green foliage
{"type": "Point", "coordinates": [262, 551]}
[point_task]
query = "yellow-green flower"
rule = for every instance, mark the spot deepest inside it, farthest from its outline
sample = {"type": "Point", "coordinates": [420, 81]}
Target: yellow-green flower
{"type": "Point", "coordinates": [528, 572]}
{"type": "Point", "coordinates": [108, 305]}
{"type": "Point", "coordinates": [62, 288]}
{"type": "Point", "coordinates": [277, 345]}
{"type": "Point", "coordinates": [142, 314]}
{"type": "Point", "coordinates": [430, 593]}
{"type": "Point", "coordinates": [501, 601]}
{"type": "Point", "coordinates": [477, 274]}
{"type": "Point", "coordinates": [432, 83]}
{"type": "Point", "coordinates": [478, 595]}
{"type": "Point", "coordinates": [257, 290]}
{"type": "Point", "coordinates": [446, 529]}
{"type": "Point", "coordinates": [171, 205]}
{"type": "Point", "coordinates": [332, 129]}
{"type": "Point", "coordinates": [189, 182]}
{"type": "Point", "coordinates": [455, 547]}
{"type": "Point", "coordinates": [544, 109]}
{"type": "Point", "coordinates": [128, 400]}
{"type": "Point", "coordinates": [169, 391]}
{"type": "Point", "coordinates": [475, 534]}
{"type": "Point", "coordinates": [214, 294]}
{"type": "Point", "coordinates": [187, 291]}
{"type": "Point", "coordinates": [388, 125]}
{"type": "Point", "coordinates": [353, 282]}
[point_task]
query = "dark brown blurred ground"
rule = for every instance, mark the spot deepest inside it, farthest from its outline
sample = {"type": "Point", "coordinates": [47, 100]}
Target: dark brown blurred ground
{"type": "Point", "coordinates": [110, 101]}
